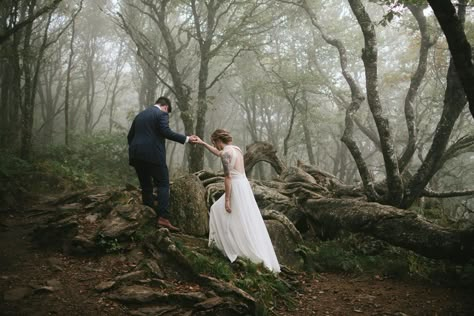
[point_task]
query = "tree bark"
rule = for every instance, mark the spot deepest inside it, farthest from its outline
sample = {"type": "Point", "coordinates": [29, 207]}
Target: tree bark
{"type": "Point", "coordinates": [357, 98]}
{"type": "Point", "coordinates": [68, 82]}
{"type": "Point", "coordinates": [5, 34]}
{"type": "Point", "coordinates": [415, 82]}
{"type": "Point", "coordinates": [398, 227]}
{"type": "Point", "coordinates": [461, 51]}
{"type": "Point", "coordinates": [369, 57]}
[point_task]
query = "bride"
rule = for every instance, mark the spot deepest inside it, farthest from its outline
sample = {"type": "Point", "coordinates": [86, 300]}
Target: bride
{"type": "Point", "coordinates": [236, 226]}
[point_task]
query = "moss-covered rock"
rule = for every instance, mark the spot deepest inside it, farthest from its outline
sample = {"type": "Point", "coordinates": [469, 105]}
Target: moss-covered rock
{"type": "Point", "coordinates": [188, 207]}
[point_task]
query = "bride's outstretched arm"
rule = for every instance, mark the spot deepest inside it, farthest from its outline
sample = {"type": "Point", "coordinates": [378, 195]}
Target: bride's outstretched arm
{"type": "Point", "coordinates": [212, 149]}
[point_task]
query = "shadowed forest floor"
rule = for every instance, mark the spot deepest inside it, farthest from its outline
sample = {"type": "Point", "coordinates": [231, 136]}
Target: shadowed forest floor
{"type": "Point", "coordinates": [36, 281]}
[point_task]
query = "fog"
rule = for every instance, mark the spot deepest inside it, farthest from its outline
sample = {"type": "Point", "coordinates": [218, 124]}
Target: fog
{"type": "Point", "coordinates": [287, 73]}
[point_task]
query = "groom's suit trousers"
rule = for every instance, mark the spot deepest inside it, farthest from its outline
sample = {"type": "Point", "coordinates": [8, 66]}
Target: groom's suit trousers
{"type": "Point", "coordinates": [150, 174]}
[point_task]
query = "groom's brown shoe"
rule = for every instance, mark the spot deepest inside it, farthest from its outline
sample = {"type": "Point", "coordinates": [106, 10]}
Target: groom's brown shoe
{"type": "Point", "coordinates": [164, 222]}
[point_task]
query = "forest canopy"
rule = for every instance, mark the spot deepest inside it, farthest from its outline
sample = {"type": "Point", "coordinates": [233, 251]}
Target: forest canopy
{"type": "Point", "coordinates": [377, 93]}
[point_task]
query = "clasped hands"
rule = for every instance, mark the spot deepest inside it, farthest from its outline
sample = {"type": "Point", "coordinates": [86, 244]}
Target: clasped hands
{"type": "Point", "coordinates": [194, 139]}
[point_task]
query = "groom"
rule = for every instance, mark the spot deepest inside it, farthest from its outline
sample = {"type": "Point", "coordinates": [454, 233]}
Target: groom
{"type": "Point", "coordinates": [147, 154]}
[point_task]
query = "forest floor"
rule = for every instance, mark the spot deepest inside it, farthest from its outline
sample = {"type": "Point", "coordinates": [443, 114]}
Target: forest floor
{"type": "Point", "coordinates": [35, 281]}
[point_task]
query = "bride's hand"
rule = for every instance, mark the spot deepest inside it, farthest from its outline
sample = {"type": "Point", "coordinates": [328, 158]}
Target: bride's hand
{"type": "Point", "coordinates": [227, 207]}
{"type": "Point", "coordinates": [197, 140]}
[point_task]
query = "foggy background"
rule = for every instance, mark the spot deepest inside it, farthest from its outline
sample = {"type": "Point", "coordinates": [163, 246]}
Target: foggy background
{"type": "Point", "coordinates": [264, 70]}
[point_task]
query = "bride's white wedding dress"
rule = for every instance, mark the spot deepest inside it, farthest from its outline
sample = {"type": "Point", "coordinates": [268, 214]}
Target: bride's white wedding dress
{"type": "Point", "coordinates": [241, 233]}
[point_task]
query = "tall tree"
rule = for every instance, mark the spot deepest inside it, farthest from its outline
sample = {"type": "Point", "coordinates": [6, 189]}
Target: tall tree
{"type": "Point", "coordinates": [397, 192]}
{"type": "Point", "coordinates": [215, 27]}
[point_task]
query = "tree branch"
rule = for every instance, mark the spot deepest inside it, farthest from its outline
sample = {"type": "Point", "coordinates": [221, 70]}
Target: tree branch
{"type": "Point", "coordinates": [30, 19]}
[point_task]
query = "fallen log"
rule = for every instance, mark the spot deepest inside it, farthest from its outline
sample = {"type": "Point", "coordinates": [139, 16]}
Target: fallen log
{"type": "Point", "coordinates": [398, 227]}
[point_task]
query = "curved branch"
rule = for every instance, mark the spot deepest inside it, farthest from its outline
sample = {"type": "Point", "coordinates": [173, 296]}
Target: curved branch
{"type": "Point", "coordinates": [262, 151]}
{"type": "Point", "coordinates": [45, 9]}
{"type": "Point", "coordinates": [461, 51]}
{"type": "Point", "coordinates": [430, 193]}
{"type": "Point", "coordinates": [426, 44]}
{"type": "Point", "coordinates": [357, 98]}
{"type": "Point", "coordinates": [463, 145]}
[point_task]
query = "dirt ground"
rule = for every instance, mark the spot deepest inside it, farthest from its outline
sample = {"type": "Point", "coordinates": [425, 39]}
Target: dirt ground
{"type": "Point", "coordinates": [36, 281]}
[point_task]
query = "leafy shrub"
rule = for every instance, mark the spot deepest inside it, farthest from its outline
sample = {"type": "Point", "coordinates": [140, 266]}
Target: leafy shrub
{"type": "Point", "coordinates": [98, 159]}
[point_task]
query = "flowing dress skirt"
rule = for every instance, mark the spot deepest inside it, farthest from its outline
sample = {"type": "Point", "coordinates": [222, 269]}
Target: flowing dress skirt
{"type": "Point", "coordinates": [241, 233]}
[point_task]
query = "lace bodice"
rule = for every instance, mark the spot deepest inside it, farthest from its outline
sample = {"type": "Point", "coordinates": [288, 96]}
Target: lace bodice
{"type": "Point", "coordinates": [236, 165]}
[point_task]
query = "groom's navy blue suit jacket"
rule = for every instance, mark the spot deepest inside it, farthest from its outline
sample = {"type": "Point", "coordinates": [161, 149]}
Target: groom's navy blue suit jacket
{"type": "Point", "coordinates": [146, 138]}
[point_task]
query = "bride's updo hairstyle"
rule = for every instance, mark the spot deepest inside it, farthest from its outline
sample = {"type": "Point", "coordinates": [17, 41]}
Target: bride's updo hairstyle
{"type": "Point", "coordinates": [222, 135]}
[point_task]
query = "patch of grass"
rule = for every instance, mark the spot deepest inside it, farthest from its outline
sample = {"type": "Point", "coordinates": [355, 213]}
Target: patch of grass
{"type": "Point", "coordinates": [145, 231]}
{"type": "Point", "coordinates": [215, 266]}
{"type": "Point", "coordinates": [109, 245]}
{"type": "Point", "coordinates": [354, 253]}
{"type": "Point", "coordinates": [268, 289]}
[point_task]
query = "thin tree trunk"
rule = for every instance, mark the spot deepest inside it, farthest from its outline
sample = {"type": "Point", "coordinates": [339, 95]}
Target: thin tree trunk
{"type": "Point", "coordinates": [369, 57]}
{"type": "Point", "coordinates": [68, 83]}
{"type": "Point", "coordinates": [27, 106]}
{"type": "Point", "coordinates": [425, 45]}
{"type": "Point", "coordinates": [454, 102]}
{"type": "Point", "coordinates": [461, 51]}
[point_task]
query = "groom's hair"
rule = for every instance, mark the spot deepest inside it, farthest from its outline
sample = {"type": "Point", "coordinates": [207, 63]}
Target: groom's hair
{"type": "Point", "coordinates": [164, 101]}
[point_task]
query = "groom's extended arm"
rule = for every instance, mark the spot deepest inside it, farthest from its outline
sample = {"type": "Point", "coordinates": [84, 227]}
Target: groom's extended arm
{"type": "Point", "coordinates": [165, 130]}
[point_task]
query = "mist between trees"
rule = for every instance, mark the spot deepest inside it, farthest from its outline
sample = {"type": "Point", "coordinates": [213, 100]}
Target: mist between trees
{"type": "Point", "coordinates": [366, 91]}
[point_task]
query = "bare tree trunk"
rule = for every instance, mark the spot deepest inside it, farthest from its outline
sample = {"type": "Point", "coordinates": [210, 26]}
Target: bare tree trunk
{"type": "Point", "coordinates": [6, 33]}
{"type": "Point", "coordinates": [90, 82]}
{"type": "Point", "coordinates": [306, 131]}
{"type": "Point", "coordinates": [454, 102]}
{"type": "Point", "coordinates": [357, 98]}
{"type": "Point", "coordinates": [68, 83]}
{"type": "Point", "coordinates": [115, 90]}
{"type": "Point", "coordinates": [369, 57]}
{"type": "Point", "coordinates": [426, 44]}
{"type": "Point", "coordinates": [27, 106]}
{"type": "Point", "coordinates": [461, 51]}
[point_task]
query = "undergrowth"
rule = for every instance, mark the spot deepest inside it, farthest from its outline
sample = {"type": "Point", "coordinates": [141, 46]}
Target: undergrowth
{"type": "Point", "coordinates": [354, 253]}
{"type": "Point", "coordinates": [99, 159]}
{"type": "Point", "coordinates": [266, 287]}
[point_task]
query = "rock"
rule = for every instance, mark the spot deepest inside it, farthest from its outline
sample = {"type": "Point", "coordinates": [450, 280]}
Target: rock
{"type": "Point", "coordinates": [17, 293]}
{"type": "Point", "coordinates": [246, 303]}
{"type": "Point", "coordinates": [54, 283]}
{"type": "Point", "coordinates": [55, 264]}
{"type": "Point", "coordinates": [135, 256]}
{"type": "Point", "coordinates": [83, 244]}
{"type": "Point", "coordinates": [138, 294]}
{"type": "Point", "coordinates": [187, 299]}
{"type": "Point", "coordinates": [57, 233]}
{"type": "Point", "coordinates": [154, 268]}
{"type": "Point", "coordinates": [284, 244]}
{"type": "Point", "coordinates": [154, 310]}
{"type": "Point", "coordinates": [188, 207]}
{"type": "Point", "coordinates": [124, 220]}
{"type": "Point", "coordinates": [105, 286]}
{"type": "Point", "coordinates": [91, 218]}
{"type": "Point", "coordinates": [70, 207]}
{"type": "Point", "coordinates": [44, 289]}
{"type": "Point", "coordinates": [210, 303]}
{"type": "Point", "coordinates": [132, 276]}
